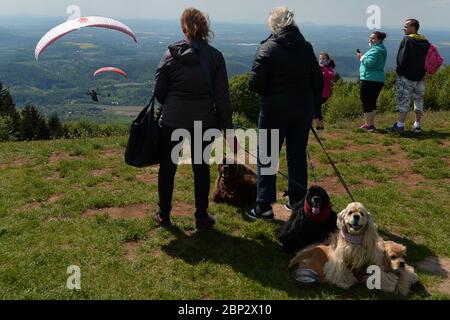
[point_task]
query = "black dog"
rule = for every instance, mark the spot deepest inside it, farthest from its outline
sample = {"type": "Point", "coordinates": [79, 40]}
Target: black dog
{"type": "Point", "coordinates": [311, 221]}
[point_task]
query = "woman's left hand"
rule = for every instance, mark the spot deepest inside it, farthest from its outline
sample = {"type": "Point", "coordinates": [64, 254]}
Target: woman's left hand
{"type": "Point", "coordinates": [359, 55]}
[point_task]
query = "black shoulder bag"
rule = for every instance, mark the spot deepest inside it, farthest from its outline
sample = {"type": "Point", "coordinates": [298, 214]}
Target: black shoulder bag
{"type": "Point", "coordinates": [143, 147]}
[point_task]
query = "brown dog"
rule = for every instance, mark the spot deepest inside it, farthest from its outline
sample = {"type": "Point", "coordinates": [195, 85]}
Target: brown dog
{"type": "Point", "coordinates": [313, 257]}
{"type": "Point", "coordinates": [236, 185]}
{"type": "Point", "coordinates": [394, 261]}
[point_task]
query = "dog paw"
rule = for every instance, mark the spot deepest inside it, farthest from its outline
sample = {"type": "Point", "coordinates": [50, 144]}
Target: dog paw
{"type": "Point", "coordinates": [347, 282]}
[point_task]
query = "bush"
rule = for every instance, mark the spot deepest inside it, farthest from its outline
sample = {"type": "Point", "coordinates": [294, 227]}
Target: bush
{"type": "Point", "coordinates": [243, 101]}
{"type": "Point", "coordinates": [345, 102]}
{"type": "Point", "coordinates": [81, 129]}
{"type": "Point", "coordinates": [113, 130]}
{"type": "Point", "coordinates": [390, 80]}
{"type": "Point", "coordinates": [443, 99]}
{"type": "Point", "coordinates": [90, 129]}
{"type": "Point", "coordinates": [241, 121]}
{"type": "Point", "coordinates": [437, 90]}
{"type": "Point", "coordinates": [387, 101]}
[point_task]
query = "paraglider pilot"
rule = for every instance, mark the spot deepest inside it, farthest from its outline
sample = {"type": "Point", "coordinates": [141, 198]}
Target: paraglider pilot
{"type": "Point", "coordinates": [94, 95]}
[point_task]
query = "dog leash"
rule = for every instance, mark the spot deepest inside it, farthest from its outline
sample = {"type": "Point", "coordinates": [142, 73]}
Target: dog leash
{"type": "Point", "coordinates": [341, 179]}
{"type": "Point", "coordinates": [313, 168]}
{"type": "Point", "coordinates": [279, 172]}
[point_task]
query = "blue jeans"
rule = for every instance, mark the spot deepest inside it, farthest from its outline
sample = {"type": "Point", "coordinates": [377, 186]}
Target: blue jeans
{"type": "Point", "coordinates": [296, 137]}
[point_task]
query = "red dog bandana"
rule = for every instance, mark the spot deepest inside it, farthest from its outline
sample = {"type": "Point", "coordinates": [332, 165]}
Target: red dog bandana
{"type": "Point", "coordinates": [317, 217]}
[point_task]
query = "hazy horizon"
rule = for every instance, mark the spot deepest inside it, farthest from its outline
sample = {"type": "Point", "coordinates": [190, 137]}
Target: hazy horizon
{"type": "Point", "coordinates": [431, 13]}
{"type": "Point", "coordinates": [13, 18]}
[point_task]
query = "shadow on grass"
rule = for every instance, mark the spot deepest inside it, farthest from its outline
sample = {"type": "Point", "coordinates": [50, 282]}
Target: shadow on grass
{"type": "Point", "coordinates": [261, 260]}
{"type": "Point", "coordinates": [424, 135]}
{"type": "Point", "coordinates": [415, 252]}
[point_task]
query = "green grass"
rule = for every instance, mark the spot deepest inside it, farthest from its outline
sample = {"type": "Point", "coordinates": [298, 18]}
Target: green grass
{"type": "Point", "coordinates": [432, 168]}
{"type": "Point", "coordinates": [83, 46]}
{"type": "Point", "coordinates": [402, 179]}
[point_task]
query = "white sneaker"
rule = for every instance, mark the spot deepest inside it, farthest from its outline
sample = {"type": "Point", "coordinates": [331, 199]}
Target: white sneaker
{"type": "Point", "coordinates": [417, 129]}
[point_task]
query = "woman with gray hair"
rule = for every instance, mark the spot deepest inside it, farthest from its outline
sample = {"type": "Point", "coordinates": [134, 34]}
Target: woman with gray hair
{"type": "Point", "coordinates": [288, 78]}
{"type": "Point", "coordinates": [280, 18]}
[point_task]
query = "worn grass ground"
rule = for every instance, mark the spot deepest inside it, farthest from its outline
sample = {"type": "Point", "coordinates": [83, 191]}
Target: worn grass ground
{"type": "Point", "coordinates": [75, 202]}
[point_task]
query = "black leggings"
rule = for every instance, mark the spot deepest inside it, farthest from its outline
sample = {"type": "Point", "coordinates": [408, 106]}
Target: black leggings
{"type": "Point", "coordinates": [167, 171]}
{"type": "Point", "coordinates": [369, 92]}
{"type": "Point", "coordinates": [318, 108]}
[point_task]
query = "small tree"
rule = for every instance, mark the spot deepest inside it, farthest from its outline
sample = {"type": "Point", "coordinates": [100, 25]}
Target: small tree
{"type": "Point", "coordinates": [8, 110]}
{"type": "Point", "coordinates": [30, 121]}
{"type": "Point", "coordinates": [7, 106]}
{"type": "Point", "coordinates": [5, 129]}
{"type": "Point", "coordinates": [55, 126]}
{"type": "Point", "coordinates": [42, 130]}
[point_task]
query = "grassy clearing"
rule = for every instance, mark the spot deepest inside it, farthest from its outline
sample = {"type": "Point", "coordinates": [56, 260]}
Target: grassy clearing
{"type": "Point", "coordinates": [83, 46]}
{"type": "Point", "coordinates": [46, 188]}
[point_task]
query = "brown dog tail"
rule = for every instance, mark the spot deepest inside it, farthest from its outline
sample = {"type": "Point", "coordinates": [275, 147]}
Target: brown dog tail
{"type": "Point", "coordinates": [293, 263]}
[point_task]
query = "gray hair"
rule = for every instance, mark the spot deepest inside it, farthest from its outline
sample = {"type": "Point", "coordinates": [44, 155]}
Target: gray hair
{"type": "Point", "coordinates": [280, 18]}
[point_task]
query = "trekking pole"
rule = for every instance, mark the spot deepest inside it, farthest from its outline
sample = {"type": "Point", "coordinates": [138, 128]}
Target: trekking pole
{"type": "Point", "coordinates": [338, 174]}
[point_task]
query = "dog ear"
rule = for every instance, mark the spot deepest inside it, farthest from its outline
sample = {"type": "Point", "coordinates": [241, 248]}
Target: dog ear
{"type": "Point", "coordinates": [340, 219]}
{"type": "Point", "coordinates": [325, 196]}
{"type": "Point", "coordinates": [371, 236]}
{"type": "Point", "coordinates": [402, 249]}
{"type": "Point", "coordinates": [321, 191]}
{"type": "Point", "coordinates": [386, 260]}
{"type": "Point", "coordinates": [385, 246]}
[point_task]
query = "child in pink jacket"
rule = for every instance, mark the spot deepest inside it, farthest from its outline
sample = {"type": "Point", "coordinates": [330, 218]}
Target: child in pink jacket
{"type": "Point", "coordinates": [327, 66]}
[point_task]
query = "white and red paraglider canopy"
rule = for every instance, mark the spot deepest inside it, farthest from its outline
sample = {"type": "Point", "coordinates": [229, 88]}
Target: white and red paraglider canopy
{"type": "Point", "coordinates": [110, 69]}
{"type": "Point", "coordinates": [72, 25]}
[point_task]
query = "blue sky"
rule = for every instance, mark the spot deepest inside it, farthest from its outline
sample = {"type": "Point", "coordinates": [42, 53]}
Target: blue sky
{"type": "Point", "coordinates": [431, 13]}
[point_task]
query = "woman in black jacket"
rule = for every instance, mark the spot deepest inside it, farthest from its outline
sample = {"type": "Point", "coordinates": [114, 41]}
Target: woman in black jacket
{"type": "Point", "coordinates": [288, 78]}
{"type": "Point", "coordinates": [191, 85]}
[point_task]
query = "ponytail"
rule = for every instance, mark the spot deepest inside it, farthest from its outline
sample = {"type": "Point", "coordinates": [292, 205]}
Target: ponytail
{"type": "Point", "coordinates": [332, 64]}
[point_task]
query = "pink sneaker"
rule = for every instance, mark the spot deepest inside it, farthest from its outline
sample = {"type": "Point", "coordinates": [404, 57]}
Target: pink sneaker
{"type": "Point", "coordinates": [364, 126]}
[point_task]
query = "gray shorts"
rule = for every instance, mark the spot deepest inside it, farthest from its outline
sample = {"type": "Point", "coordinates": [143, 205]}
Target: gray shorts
{"type": "Point", "coordinates": [407, 89]}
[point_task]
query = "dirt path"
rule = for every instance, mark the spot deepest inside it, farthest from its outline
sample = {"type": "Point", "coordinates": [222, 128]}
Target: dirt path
{"type": "Point", "coordinates": [438, 266]}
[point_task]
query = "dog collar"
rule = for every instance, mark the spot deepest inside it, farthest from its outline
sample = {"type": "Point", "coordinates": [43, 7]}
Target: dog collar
{"type": "Point", "coordinates": [320, 217]}
{"type": "Point", "coordinates": [351, 238]}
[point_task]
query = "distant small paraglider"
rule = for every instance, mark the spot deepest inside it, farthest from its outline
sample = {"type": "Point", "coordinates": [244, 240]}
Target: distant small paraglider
{"type": "Point", "coordinates": [72, 25]}
{"type": "Point", "coordinates": [110, 69]}
{"type": "Point", "coordinates": [94, 95]}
